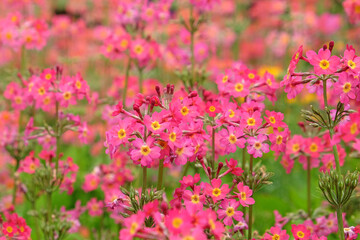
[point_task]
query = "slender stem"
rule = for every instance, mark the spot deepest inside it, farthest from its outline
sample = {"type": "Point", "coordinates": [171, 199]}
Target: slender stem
{"type": "Point", "coordinates": [144, 173]}
{"type": "Point", "coordinates": [57, 132]}
{"type": "Point", "coordinates": [325, 93]}
{"type": "Point", "coordinates": [243, 158]}
{"type": "Point", "coordinates": [15, 181]}
{"type": "Point", "coordinates": [127, 72]}
{"type": "Point", "coordinates": [251, 206]}
{"type": "Point", "coordinates": [49, 214]}
{"type": "Point", "coordinates": [340, 224]}
{"type": "Point", "coordinates": [160, 174]}
{"type": "Point", "coordinates": [338, 170]}
{"type": "Point", "coordinates": [213, 153]}
{"type": "Point", "coordinates": [141, 87]}
{"type": "Point", "coordinates": [308, 187]}
{"type": "Point", "coordinates": [192, 43]}
{"type": "Point", "coordinates": [36, 228]}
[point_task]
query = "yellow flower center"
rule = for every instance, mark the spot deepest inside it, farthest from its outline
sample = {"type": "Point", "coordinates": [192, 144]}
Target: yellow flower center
{"type": "Point", "coordinates": [353, 128]}
{"type": "Point", "coordinates": [230, 211]}
{"type": "Point", "coordinates": [243, 196]}
{"type": "Point", "coordinates": [276, 237]}
{"type": "Point", "coordinates": [296, 147]}
{"type": "Point", "coordinates": [177, 222]}
{"type": "Point", "coordinates": [46, 100]}
{"type": "Point", "coordinates": [251, 75]}
{"type": "Point", "coordinates": [172, 137]}
{"type": "Point", "coordinates": [351, 64]}
{"type": "Point", "coordinates": [232, 138]}
{"type": "Point", "coordinates": [184, 111]}
{"type": "Point", "coordinates": [279, 139]}
{"type": "Point", "coordinates": [145, 150]}
{"type": "Point", "coordinates": [121, 133]}
{"type": "Point", "coordinates": [212, 224]}
{"type": "Point", "coordinates": [9, 229]}
{"type": "Point", "coordinates": [251, 121]}
{"type": "Point", "coordinates": [138, 49]}
{"type": "Point", "coordinates": [300, 234]}
{"type": "Point", "coordinates": [179, 151]}
{"type": "Point", "coordinates": [195, 198]}
{"type": "Point", "coordinates": [155, 125]}
{"type": "Point", "coordinates": [225, 78]}
{"type": "Point", "coordinates": [239, 87]}
{"type": "Point", "coordinates": [269, 82]}
{"type": "Point", "coordinates": [347, 87]}
{"type": "Point", "coordinates": [212, 109]}
{"type": "Point", "coordinates": [133, 228]}
{"type": "Point", "coordinates": [324, 64]}
{"type": "Point", "coordinates": [18, 100]}
{"type": "Point", "coordinates": [313, 147]}
{"type": "Point", "coordinates": [78, 84]}
{"type": "Point", "coordinates": [272, 120]}
{"type": "Point", "coordinates": [257, 145]}
{"type": "Point", "coordinates": [232, 113]}
{"type": "Point", "coordinates": [67, 95]}
{"type": "Point", "coordinates": [216, 192]}
{"type": "Point", "coordinates": [124, 43]}
{"type": "Point", "coordinates": [188, 238]}
{"type": "Point", "coordinates": [41, 91]}
{"type": "Point", "coordinates": [109, 48]}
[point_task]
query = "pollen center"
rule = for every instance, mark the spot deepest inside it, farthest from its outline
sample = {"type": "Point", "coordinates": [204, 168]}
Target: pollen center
{"type": "Point", "coordinates": [251, 121]}
{"type": "Point", "coordinates": [324, 64]}
{"type": "Point", "coordinates": [216, 192]}
{"type": "Point", "coordinates": [351, 64]}
{"type": "Point", "coordinates": [239, 87]}
{"type": "Point", "coordinates": [145, 150]}
{"type": "Point", "coordinates": [184, 111]}
{"type": "Point", "coordinates": [177, 222]}
{"type": "Point", "coordinates": [347, 87]}
{"type": "Point", "coordinates": [121, 133]}
{"type": "Point", "coordinates": [195, 198]}
{"type": "Point", "coordinates": [155, 125]}
{"type": "Point", "coordinates": [230, 211]}
{"type": "Point", "coordinates": [232, 139]}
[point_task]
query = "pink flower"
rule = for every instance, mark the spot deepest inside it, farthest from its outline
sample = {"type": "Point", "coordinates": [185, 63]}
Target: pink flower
{"type": "Point", "coordinates": [215, 191]}
{"type": "Point", "coordinates": [132, 224]}
{"type": "Point", "coordinates": [276, 233]}
{"type": "Point", "coordinates": [144, 153]}
{"type": "Point", "coordinates": [119, 133]}
{"type": "Point", "coordinates": [352, 61]}
{"type": "Point", "coordinates": [213, 108]}
{"type": "Point", "coordinates": [300, 232]}
{"type": "Point", "coordinates": [275, 119]}
{"type": "Point", "coordinates": [139, 49]}
{"type": "Point", "coordinates": [244, 195]}
{"type": "Point", "coordinates": [256, 145]}
{"type": "Point", "coordinates": [29, 164]}
{"type": "Point", "coordinates": [239, 88]}
{"type": "Point", "coordinates": [177, 221]}
{"type": "Point", "coordinates": [95, 207]}
{"type": "Point", "coordinates": [346, 87]}
{"type": "Point", "coordinates": [314, 146]}
{"type": "Point", "coordinates": [293, 85]}
{"type": "Point", "coordinates": [195, 198]}
{"type": "Point", "coordinates": [287, 163]}
{"type": "Point", "coordinates": [231, 138]}
{"type": "Point", "coordinates": [323, 62]}
{"type": "Point", "coordinates": [155, 123]}
{"type": "Point", "coordinates": [278, 140]}
{"type": "Point", "coordinates": [228, 211]}
{"type": "Point", "coordinates": [48, 75]}
{"type": "Point", "coordinates": [251, 121]}
{"type": "Point", "coordinates": [91, 182]}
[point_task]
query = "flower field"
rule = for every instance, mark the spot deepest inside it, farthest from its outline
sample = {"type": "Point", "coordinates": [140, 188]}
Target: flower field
{"type": "Point", "coordinates": [179, 119]}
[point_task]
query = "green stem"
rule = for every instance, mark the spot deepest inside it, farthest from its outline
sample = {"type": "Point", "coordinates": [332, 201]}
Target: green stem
{"type": "Point", "coordinates": [144, 173]}
{"type": "Point", "coordinates": [127, 72]}
{"type": "Point", "coordinates": [325, 94]}
{"type": "Point", "coordinates": [160, 174]}
{"type": "Point", "coordinates": [308, 187]}
{"type": "Point", "coordinates": [15, 180]}
{"type": "Point", "coordinates": [57, 132]}
{"type": "Point", "coordinates": [243, 158]}
{"type": "Point", "coordinates": [213, 153]}
{"type": "Point", "coordinates": [49, 215]}
{"type": "Point", "coordinates": [340, 224]}
{"type": "Point", "coordinates": [141, 87]}
{"type": "Point", "coordinates": [192, 43]}
{"type": "Point", "coordinates": [251, 206]}
{"type": "Point", "coordinates": [336, 154]}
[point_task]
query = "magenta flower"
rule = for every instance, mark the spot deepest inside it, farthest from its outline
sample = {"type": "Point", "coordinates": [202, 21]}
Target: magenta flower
{"type": "Point", "coordinates": [346, 88]}
{"type": "Point", "coordinates": [195, 198]}
{"type": "Point", "coordinates": [300, 232]}
{"type": "Point", "coordinates": [256, 145]}
{"type": "Point", "coordinates": [95, 207]}
{"type": "Point", "coordinates": [144, 153]}
{"type": "Point", "coordinates": [352, 61]}
{"type": "Point", "coordinates": [323, 62]}
{"type": "Point", "coordinates": [228, 211]}
{"type": "Point", "coordinates": [215, 191]}
{"type": "Point", "coordinates": [276, 233]}
{"type": "Point", "coordinates": [155, 123]}
{"type": "Point", "coordinates": [275, 119]}
{"type": "Point", "coordinates": [231, 138]}
{"type": "Point", "coordinates": [132, 224]}
{"type": "Point", "coordinates": [244, 195]}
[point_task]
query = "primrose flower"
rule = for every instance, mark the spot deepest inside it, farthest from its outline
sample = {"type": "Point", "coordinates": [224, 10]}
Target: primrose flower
{"type": "Point", "coordinates": [256, 145]}
{"type": "Point", "coordinates": [346, 87]}
{"type": "Point", "coordinates": [300, 232]}
{"type": "Point", "coordinates": [144, 153]}
{"type": "Point", "coordinates": [323, 62]}
{"type": "Point", "coordinates": [215, 191]}
{"type": "Point", "coordinates": [244, 195]}
{"type": "Point", "coordinates": [276, 234]}
{"type": "Point", "coordinates": [228, 211]}
{"type": "Point", "coordinates": [132, 225]}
